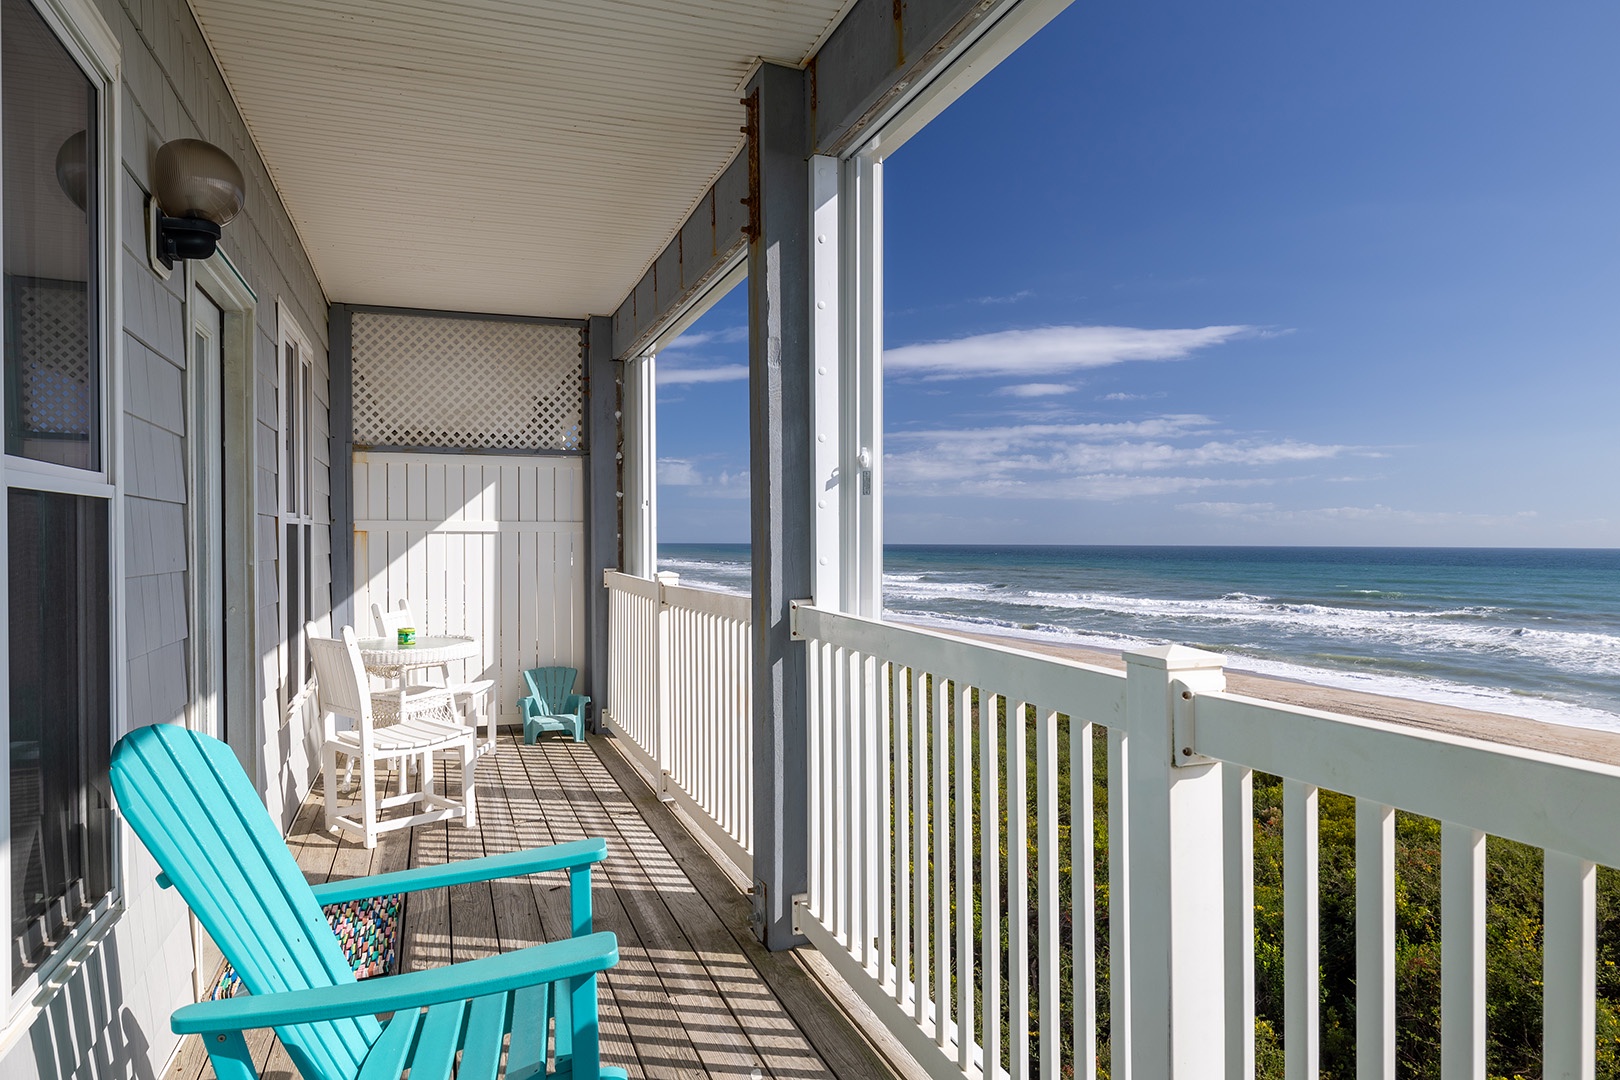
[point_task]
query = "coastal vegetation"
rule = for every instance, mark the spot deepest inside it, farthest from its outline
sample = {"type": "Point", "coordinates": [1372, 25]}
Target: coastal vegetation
{"type": "Point", "coordinates": [1513, 933]}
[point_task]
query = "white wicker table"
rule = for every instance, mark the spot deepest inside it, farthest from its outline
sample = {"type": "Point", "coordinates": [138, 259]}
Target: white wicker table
{"type": "Point", "coordinates": [388, 659]}
{"type": "Point", "coordinates": [383, 656]}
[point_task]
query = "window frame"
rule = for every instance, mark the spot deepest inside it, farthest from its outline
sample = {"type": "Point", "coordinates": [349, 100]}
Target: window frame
{"type": "Point", "coordinates": [295, 405]}
{"type": "Point", "coordinates": [93, 46]}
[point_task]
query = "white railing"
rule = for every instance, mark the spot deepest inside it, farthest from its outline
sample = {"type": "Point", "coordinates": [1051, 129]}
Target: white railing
{"type": "Point", "coordinates": [917, 741]}
{"type": "Point", "coordinates": [679, 678]}
{"type": "Point", "coordinates": [935, 827]}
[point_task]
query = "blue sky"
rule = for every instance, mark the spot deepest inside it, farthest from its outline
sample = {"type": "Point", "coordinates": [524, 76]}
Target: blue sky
{"type": "Point", "coordinates": [1265, 273]}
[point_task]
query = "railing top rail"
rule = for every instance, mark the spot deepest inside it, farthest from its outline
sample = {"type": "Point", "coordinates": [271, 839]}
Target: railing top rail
{"type": "Point", "coordinates": [1079, 690]}
{"type": "Point", "coordinates": [710, 601]}
{"type": "Point", "coordinates": [629, 583]}
{"type": "Point", "coordinates": [1545, 800]}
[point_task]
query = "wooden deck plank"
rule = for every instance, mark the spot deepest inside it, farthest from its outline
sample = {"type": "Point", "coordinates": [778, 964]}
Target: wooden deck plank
{"type": "Point", "coordinates": [521, 823]}
{"type": "Point", "coordinates": [643, 993]}
{"type": "Point", "coordinates": [844, 1050]}
{"type": "Point", "coordinates": [693, 995]}
{"type": "Point", "coordinates": [696, 960]}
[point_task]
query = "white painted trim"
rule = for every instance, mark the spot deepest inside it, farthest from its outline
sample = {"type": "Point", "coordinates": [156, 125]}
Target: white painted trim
{"type": "Point", "coordinates": [861, 384]}
{"type": "Point", "coordinates": [290, 332]}
{"type": "Point", "coordinates": [640, 503]}
{"type": "Point", "coordinates": [827, 478]}
{"type": "Point", "coordinates": [95, 48]}
{"type": "Point", "coordinates": [226, 288]}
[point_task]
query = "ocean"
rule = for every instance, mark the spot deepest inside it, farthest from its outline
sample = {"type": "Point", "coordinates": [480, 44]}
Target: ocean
{"type": "Point", "coordinates": [1532, 633]}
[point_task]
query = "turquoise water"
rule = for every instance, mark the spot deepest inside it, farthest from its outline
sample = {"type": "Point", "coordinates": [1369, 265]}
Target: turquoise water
{"type": "Point", "coordinates": [1532, 633]}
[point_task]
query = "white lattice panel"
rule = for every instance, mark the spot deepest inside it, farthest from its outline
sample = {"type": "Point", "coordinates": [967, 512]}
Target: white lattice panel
{"type": "Point", "coordinates": [470, 384]}
{"type": "Point", "coordinates": [51, 332]}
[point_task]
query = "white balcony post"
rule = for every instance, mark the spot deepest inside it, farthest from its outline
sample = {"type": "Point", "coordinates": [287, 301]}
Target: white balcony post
{"type": "Point", "coordinates": [640, 466]}
{"type": "Point", "coordinates": [1177, 890]}
{"type": "Point", "coordinates": [663, 701]}
{"type": "Point", "coordinates": [826, 348]}
{"type": "Point", "coordinates": [861, 384]}
{"type": "Point", "coordinates": [846, 341]}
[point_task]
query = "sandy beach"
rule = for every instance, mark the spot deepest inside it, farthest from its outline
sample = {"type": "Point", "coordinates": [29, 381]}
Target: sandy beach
{"type": "Point", "coordinates": [1577, 742]}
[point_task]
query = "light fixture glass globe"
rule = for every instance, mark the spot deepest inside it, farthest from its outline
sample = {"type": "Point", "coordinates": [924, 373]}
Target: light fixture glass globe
{"type": "Point", "coordinates": [196, 179]}
{"type": "Point", "coordinates": [73, 169]}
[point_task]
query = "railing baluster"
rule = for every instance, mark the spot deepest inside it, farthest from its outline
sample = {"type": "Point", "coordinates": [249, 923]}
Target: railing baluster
{"type": "Point", "coordinates": [942, 864]}
{"type": "Point", "coordinates": [1237, 786]}
{"type": "Point", "coordinates": [989, 885]}
{"type": "Point", "coordinates": [1119, 906]}
{"type": "Point", "coordinates": [1462, 952]}
{"type": "Point", "coordinates": [1046, 893]}
{"type": "Point", "coordinates": [919, 854]}
{"type": "Point", "coordinates": [846, 831]}
{"type": "Point", "coordinates": [1017, 892]}
{"type": "Point", "coordinates": [877, 811]}
{"type": "Point", "coordinates": [860, 806]}
{"type": "Point", "coordinates": [902, 839]}
{"type": "Point", "coordinates": [883, 677]}
{"type": "Point", "coordinates": [1375, 941]}
{"type": "Point", "coordinates": [1301, 1035]}
{"type": "Point", "coordinates": [1569, 972]}
{"type": "Point", "coordinates": [1082, 900]}
{"type": "Point", "coordinates": [964, 878]}
{"type": "Point", "coordinates": [816, 770]}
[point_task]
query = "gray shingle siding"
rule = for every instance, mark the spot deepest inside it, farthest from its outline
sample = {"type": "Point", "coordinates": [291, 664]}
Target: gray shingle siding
{"type": "Point", "coordinates": [170, 88]}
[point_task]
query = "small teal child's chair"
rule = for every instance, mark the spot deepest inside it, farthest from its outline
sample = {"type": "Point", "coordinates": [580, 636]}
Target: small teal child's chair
{"type": "Point", "coordinates": [552, 704]}
{"type": "Point", "coordinates": [189, 801]}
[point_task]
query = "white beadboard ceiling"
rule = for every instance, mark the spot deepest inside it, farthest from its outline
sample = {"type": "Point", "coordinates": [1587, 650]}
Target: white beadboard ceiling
{"type": "Point", "coordinates": [520, 157]}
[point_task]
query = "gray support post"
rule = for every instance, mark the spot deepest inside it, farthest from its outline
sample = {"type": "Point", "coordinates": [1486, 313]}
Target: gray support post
{"type": "Point", "coordinates": [601, 500]}
{"type": "Point", "coordinates": [782, 528]}
{"type": "Point", "coordinates": [341, 453]}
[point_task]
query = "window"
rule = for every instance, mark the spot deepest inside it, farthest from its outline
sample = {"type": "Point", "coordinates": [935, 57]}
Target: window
{"type": "Point", "coordinates": [296, 397]}
{"type": "Point", "coordinates": [56, 120]}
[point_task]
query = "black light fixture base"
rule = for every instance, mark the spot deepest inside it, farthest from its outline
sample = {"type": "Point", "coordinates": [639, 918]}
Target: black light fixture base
{"type": "Point", "coordinates": [185, 238]}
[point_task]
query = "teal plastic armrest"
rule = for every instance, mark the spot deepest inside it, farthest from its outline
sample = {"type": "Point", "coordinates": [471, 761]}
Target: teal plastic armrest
{"type": "Point", "coordinates": [537, 964]}
{"type": "Point", "coordinates": [576, 703]}
{"type": "Point", "coordinates": [529, 861]}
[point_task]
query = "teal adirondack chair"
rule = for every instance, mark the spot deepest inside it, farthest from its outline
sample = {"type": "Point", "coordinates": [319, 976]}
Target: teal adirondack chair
{"type": "Point", "coordinates": [552, 704]}
{"type": "Point", "coordinates": [189, 801]}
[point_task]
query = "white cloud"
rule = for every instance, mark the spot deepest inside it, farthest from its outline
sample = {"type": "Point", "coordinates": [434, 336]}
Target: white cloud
{"type": "Point", "coordinates": [685, 473]}
{"type": "Point", "coordinates": [1035, 389]}
{"type": "Point", "coordinates": [684, 376]}
{"type": "Point", "coordinates": [1122, 396]}
{"type": "Point", "coordinates": [677, 472]}
{"type": "Point", "coordinates": [729, 335]}
{"type": "Point", "coordinates": [1270, 514]}
{"type": "Point", "coordinates": [1152, 457]}
{"type": "Point", "coordinates": [1052, 350]}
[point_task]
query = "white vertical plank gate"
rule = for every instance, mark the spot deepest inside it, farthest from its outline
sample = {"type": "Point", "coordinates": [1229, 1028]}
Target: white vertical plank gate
{"type": "Point", "coordinates": [492, 547]}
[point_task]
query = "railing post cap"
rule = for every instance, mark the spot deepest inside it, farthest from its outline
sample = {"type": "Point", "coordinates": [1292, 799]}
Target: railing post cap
{"type": "Point", "coordinates": [667, 577]}
{"type": "Point", "coordinates": [1174, 658]}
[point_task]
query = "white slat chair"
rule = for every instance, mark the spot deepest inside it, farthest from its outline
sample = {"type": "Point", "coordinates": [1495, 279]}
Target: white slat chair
{"type": "Point", "coordinates": [427, 724]}
{"type": "Point", "coordinates": [472, 698]}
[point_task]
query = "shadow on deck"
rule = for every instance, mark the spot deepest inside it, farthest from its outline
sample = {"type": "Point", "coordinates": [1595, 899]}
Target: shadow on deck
{"type": "Point", "coordinates": [693, 995]}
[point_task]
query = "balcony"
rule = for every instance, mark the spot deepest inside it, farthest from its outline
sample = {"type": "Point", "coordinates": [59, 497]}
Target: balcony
{"type": "Point", "coordinates": [915, 740]}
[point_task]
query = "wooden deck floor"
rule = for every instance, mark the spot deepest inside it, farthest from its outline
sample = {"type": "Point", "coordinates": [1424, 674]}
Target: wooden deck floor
{"type": "Point", "coordinates": [693, 994]}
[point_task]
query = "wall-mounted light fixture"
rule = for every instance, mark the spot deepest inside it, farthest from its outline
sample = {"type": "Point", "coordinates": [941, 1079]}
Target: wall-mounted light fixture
{"type": "Point", "coordinates": [73, 169]}
{"type": "Point", "coordinates": [196, 189]}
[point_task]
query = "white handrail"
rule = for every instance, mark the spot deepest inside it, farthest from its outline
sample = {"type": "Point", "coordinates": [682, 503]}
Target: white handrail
{"type": "Point", "coordinates": [679, 695]}
{"type": "Point", "coordinates": [944, 721]}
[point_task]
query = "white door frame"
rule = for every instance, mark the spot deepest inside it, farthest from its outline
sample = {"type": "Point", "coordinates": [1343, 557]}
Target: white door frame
{"type": "Point", "coordinates": [221, 536]}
